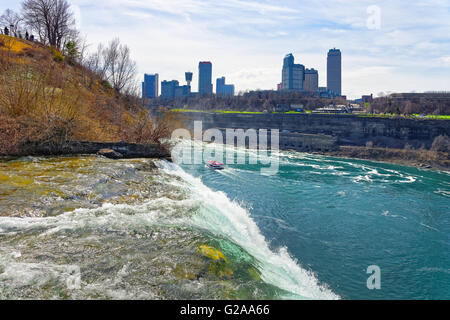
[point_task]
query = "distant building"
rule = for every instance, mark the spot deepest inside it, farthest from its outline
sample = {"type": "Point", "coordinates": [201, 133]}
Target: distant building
{"type": "Point", "coordinates": [334, 71]}
{"type": "Point", "coordinates": [182, 91]}
{"type": "Point", "coordinates": [224, 90]}
{"type": "Point", "coordinates": [205, 78]}
{"type": "Point", "coordinates": [168, 89]}
{"type": "Point", "coordinates": [279, 86]}
{"type": "Point", "coordinates": [150, 86]}
{"type": "Point", "coordinates": [188, 76]}
{"type": "Point", "coordinates": [367, 99]}
{"type": "Point", "coordinates": [324, 92]}
{"type": "Point", "coordinates": [289, 108]}
{"type": "Point", "coordinates": [311, 80]}
{"type": "Point", "coordinates": [333, 109]}
{"type": "Point", "coordinates": [293, 74]}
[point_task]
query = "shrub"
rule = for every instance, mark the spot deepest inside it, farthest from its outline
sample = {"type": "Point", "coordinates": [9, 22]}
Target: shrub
{"type": "Point", "coordinates": [57, 55]}
{"type": "Point", "coordinates": [441, 144]}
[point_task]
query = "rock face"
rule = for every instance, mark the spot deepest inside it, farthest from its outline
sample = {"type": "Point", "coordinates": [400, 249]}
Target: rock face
{"type": "Point", "coordinates": [110, 153]}
{"type": "Point", "coordinates": [313, 132]}
{"type": "Point", "coordinates": [110, 150]}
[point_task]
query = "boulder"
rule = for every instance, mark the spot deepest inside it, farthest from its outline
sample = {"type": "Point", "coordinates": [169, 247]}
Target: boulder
{"type": "Point", "coordinates": [110, 153]}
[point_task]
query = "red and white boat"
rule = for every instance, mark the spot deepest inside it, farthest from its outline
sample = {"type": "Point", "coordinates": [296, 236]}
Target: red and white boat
{"type": "Point", "coordinates": [215, 165]}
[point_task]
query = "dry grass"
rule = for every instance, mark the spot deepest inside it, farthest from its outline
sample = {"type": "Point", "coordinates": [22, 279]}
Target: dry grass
{"type": "Point", "coordinates": [46, 101]}
{"type": "Point", "coordinates": [13, 44]}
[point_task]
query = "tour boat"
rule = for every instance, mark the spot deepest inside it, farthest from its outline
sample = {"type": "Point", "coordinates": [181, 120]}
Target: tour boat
{"type": "Point", "coordinates": [215, 165]}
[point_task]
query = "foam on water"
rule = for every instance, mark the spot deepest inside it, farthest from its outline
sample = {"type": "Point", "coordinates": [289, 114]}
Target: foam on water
{"type": "Point", "coordinates": [223, 217]}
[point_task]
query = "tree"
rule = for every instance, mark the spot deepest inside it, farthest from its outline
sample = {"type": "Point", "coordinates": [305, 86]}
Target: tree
{"type": "Point", "coordinates": [441, 144]}
{"type": "Point", "coordinates": [12, 20]}
{"type": "Point", "coordinates": [122, 69]}
{"type": "Point", "coordinates": [113, 64]}
{"type": "Point", "coordinates": [71, 51]}
{"type": "Point", "coordinates": [52, 20]}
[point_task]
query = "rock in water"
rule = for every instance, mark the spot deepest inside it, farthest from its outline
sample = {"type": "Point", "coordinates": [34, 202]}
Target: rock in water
{"type": "Point", "coordinates": [110, 153]}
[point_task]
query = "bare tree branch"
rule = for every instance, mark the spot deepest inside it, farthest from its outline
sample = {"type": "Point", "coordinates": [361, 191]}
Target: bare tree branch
{"type": "Point", "coordinates": [52, 20]}
{"type": "Point", "coordinates": [11, 20]}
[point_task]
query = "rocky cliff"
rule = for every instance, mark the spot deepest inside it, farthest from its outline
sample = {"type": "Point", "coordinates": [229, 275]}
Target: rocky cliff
{"type": "Point", "coordinates": [313, 132]}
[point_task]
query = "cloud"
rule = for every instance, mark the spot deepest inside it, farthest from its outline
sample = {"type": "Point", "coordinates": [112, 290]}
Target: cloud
{"type": "Point", "coordinates": [247, 39]}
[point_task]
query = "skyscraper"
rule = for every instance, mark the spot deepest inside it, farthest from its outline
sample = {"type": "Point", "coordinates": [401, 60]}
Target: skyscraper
{"type": "Point", "coordinates": [150, 86]}
{"type": "Point", "coordinates": [311, 80]}
{"type": "Point", "coordinates": [293, 74]}
{"type": "Point", "coordinates": [334, 71]}
{"type": "Point", "coordinates": [288, 64]}
{"type": "Point", "coordinates": [168, 89]}
{"type": "Point", "coordinates": [188, 76]}
{"type": "Point", "coordinates": [222, 89]}
{"type": "Point", "coordinates": [205, 78]}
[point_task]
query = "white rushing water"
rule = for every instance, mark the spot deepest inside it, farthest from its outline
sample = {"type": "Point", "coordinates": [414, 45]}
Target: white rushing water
{"type": "Point", "coordinates": [225, 218]}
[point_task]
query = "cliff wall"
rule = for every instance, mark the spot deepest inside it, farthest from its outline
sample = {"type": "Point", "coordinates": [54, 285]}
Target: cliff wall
{"type": "Point", "coordinates": [313, 132]}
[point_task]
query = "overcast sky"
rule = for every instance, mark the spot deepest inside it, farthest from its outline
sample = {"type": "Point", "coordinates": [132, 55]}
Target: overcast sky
{"type": "Point", "coordinates": [406, 49]}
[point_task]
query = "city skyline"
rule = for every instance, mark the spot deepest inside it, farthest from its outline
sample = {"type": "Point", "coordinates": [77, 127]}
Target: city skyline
{"type": "Point", "coordinates": [408, 51]}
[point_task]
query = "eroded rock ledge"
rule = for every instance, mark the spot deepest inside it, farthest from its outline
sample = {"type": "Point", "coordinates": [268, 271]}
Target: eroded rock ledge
{"type": "Point", "coordinates": [113, 150]}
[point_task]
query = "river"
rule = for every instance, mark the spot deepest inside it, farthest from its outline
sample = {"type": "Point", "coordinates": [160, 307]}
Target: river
{"type": "Point", "coordinates": [94, 228]}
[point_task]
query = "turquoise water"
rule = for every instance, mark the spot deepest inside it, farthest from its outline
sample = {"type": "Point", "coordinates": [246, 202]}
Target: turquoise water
{"type": "Point", "coordinates": [143, 229]}
{"type": "Point", "coordinates": [336, 217]}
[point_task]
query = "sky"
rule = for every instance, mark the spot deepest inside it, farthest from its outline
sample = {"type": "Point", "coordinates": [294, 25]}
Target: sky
{"type": "Point", "coordinates": [387, 46]}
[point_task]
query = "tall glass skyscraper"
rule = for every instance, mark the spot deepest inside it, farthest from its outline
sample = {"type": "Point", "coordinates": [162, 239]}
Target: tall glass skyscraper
{"type": "Point", "coordinates": [293, 75]}
{"type": "Point", "coordinates": [334, 71]}
{"type": "Point", "coordinates": [150, 86]}
{"type": "Point", "coordinates": [205, 78]}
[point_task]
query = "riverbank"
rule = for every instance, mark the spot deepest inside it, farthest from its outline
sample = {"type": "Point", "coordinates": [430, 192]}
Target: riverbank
{"type": "Point", "coordinates": [112, 150]}
{"type": "Point", "coordinates": [47, 99]}
{"type": "Point", "coordinates": [411, 142]}
{"type": "Point", "coordinates": [423, 159]}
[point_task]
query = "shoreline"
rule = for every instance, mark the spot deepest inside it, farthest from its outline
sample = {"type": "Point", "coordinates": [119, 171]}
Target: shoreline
{"type": "Point", "coordinates": [111, 150]}
{"type": "Point", "coordinates": [421, 159]}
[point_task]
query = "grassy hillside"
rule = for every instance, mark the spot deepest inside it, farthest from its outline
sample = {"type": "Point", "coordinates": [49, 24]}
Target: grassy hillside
{"type": "Point", "coordinates": [45, 98]}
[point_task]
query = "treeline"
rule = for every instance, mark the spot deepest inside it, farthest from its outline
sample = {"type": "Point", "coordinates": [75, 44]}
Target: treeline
{"type": "Point", "coordinates": [50, 22]}
{"type": "Point", "coordinates": [54, 91]}
{"type": "Point", "coordinates": [427, 104]}
{"type": "Point", "coordinates": [249, 101]}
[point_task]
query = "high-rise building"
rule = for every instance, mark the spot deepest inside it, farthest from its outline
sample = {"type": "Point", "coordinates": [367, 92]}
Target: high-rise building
{"type": "Point", "coordinates": [311, 83]}
{"type": "Point", "coordinates": [182, 91]}
{"type": "Point", "coordinates": [224, 90]}
{"type": "Point", "coordinates": [168, 89]}
{"type": "Point", "coordinates": [188, 76]}
{"type": "Point", "coordinates": [150, 86]}
{"type": "Point", "coordinates": [298, 76]}
{"type": "Point", "coordinates": [293, 74]}
{"type": "Point", "coordinates": [334, 71]}
{"type": "Point", "coordinates": [205, 78]}
{"type": "Point", "coordinates": [288, 64]}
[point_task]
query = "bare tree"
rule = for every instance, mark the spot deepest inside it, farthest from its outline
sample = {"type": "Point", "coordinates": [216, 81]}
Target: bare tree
{"type": "Point", "coordinates": [122, 68]}
{"type": "Point", "coordinates": [113, 63]}
{"type": "Point", "coordinates": [52, 20]}
{"type": "Point", "coordinates": [12, 20]}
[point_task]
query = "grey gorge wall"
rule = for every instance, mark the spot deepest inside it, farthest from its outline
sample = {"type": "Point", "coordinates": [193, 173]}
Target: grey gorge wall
{"type": "Point", "coordinates": [309, 132]}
